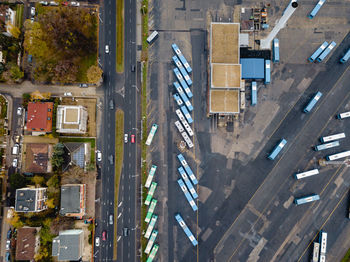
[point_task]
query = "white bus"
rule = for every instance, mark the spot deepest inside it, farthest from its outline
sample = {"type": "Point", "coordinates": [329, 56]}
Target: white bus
{"type": "Point", "coordinates": [150, 176]}
{"type": "Point", "coordinates": [316, 252]}
{"type": "Point", "coordinates": [151, 134]}
{"type": "Point", "coordinates": [332, 137]}
{"type": "Point", "coordinates": [323, 245]}
{"type": "Point", "coordinates": [152, 37]}
{"type": "Point", "coordinates": [338, 156]}
{"type": "Point", "coordinates": [306, 174]}
{"type": "Point", "coordinates": [343, 115]}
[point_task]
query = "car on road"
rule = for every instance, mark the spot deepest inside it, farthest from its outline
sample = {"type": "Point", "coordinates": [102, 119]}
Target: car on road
{"type": "Point", "coordinates": [19, 111]}
{"type": "Point", "coordinates": [132, 68]}
{"type": "Point", "coordinates": [15, 149]}
{"type": "Point", "coordinates": [9, 234]}
{"type": "Point", "coordinates": [68, 94]}
{"type": "Point", "coordinates": [107, 49]}
{"type": "Point", "coordinates": [132, 138]}
{"type": "Point", "coordinates": [99, 155]}
{"type": "Point", "coordinates": [74, 3]}
{"type": "Point", "coordinates": [8, 244]}
{"type": "Point", "coordinates": [111, 104]}
{"type": "Point", "coordinates": [15, 162]}
{"type": "Point", "coordinates": [32, 11]}
{"type": "Point", "coordinates": [97, 242]}
{"type": "Point", "coordinates": [32, 19]}
{"type": "Point", "coordinates": [53, 3]}
{"type": "Point", "coordinates": [65, 3]}
{"type": "Point", "coordinates": [125, 231]}
{"type": "Point", "coordinates": [83, 85]}
{"type": "Point", "coordinates": [111, 219]}
{"type": "Point", "coordinates": [126, 138]}
{"type": "Point", "coordinates": [17, 138]}
{"type": "Point", "coordinates": [7, 257]}
{"type": "Point", "coordinates": [44, 2]}
{"type": "Point", "coordinates": [104, 235]}
{"type": "Point", "coordinates": [111, 159]}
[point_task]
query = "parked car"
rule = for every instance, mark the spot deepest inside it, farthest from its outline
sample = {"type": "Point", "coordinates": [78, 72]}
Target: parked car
{"type": "Point", "coordinates": [83, 85]}
{"type": "Point", "coordinates": [15, 149]}
{"type": "Point", "coordinates": [104, 235]}
{"type": "Point", "coordinates": [97, 242]}
{"type": "Point", "coordinates": [17, 138]}
{"type": "Point", "coordinates": [68, 94]}
{"type": "Point", "coordinates": [8, 244]}
{"type": "Point", "coordinates": [126, 138]}
{"type": "Point", "coordinates": [30, 58]}
{"type": "Point", "coordinates": [107, 49]}
{"type": "Point", "coordinates": [44, 2]}
{"type": "Point", "coordinates": [9, 234]}
{"type": "Point", "coordinates": [15, 162]}
{"type": "Point", "coordinates": [53, 3]}
{"type": "Point", "coordinates": [32, 11]}
{"type": "Point", "coordinates": [74, 3]}
{"type": "Point", "coordinates": [65, 3]}
{"type": "Point", "coordinates": [125, 231]}
{"type": "Point", "coordinates": [19, 111]}
{"type": "Point", "coordinates": [8, 257]}
{"type": "Point", "coordinates": [132, 138]}
{"type": "Point", "coordinates": [111, 219]}
{"type": "Point", "coordinates": [32, 19]}
{"type": "Point", "coordinates": [99, 155]}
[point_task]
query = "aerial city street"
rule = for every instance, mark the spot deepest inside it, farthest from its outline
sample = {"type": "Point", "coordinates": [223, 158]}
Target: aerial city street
{"type": "Point", "coordinates": [174, 130]}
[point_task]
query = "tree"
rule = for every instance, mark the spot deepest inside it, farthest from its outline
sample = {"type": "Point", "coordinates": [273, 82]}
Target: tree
{"type": "Point", "coordinates": [15, 32]}
{"type": "Point", "coordinates": [15, 221]}
{"type": "Point", "coordinates": [65, 72]}
{"type": "Point", "coordinates": [17, 181]}
{"type": "Point", "coordinates": [94, 74]}
{"type": "Point", "coordinates": [38, 180]}
{"type": "Point", "coordinates": [50, 203]}
{"type": "Point", "coordinates": [57, 157]}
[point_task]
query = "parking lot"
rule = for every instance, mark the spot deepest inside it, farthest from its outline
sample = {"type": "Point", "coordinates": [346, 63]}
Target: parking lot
{"type": "Point", "coordinates": [246, 210]}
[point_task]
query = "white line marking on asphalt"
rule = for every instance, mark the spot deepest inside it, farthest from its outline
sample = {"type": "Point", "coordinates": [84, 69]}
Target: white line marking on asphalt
{"type": "Point", "coordinates": [119, 215]}
{"type": "Point", "coordinates": [120, 204]}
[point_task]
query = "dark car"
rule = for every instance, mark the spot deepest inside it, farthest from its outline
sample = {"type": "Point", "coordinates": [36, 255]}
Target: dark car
{"type": "Point", "coordinates": [104, 235]}
{"type": "Point", "coordinates": [132, 68]}
{"type": "Point", "coordinates": [9, 233]}
{"type": "Point", "coordinates": [125, 231]}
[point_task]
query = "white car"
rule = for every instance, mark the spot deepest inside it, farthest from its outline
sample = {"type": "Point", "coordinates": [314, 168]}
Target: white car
{"type": "Point", "coordinates": [44, 2]}
{"type": "Point", "coordinates": [32, 11]}
{"type": "Point", "coordinates": [8, 244]}
{"type": "Point", "coordinates": [99, 155]}
{"type": "Point", "coordinates": [97, 242]}
{"type": "Point", "coordinates": [53, 3]}
{"type": "Point", "coordinates": [74, 3]}
{"type": "Point", "coordinates": [15, 162]}
{"type": "Point", "coordinates": [19, 111]}
{"type": "Point", "coordinates": [68, 94]}
{"type": "Point", "coordinates": [126, 138]}
{"type": "Point", "coordinates": [107, 49]}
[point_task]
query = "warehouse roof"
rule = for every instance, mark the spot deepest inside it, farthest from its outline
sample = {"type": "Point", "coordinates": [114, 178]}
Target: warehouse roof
{"type": "Point", "coordinates": [224, 101]}
{"type": "Point", "coordinates": [253, 68]}
{"type": "Point", "coordinates": [225, 76]}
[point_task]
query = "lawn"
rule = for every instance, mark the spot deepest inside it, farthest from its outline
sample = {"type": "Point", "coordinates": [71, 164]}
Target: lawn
{"type": "Point", "coordinates": [85, 63]}
{"type": "Point", "coordinates": [120, 36]}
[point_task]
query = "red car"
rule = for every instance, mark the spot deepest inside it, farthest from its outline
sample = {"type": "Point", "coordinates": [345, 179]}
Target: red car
{"type": "Point", "coordinates": [65, 3]}
{"type": "Point", "coordinates": [104, 235]}
{"type": "Point", "coordinates": [132, 138]}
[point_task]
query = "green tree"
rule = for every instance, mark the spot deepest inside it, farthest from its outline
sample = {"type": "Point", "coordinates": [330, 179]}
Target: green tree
{"type": "Point", "coordinates": [15, 32]}
{"type": "Point", "coordinates": [16, 181]}
{"type": "Point", "coordinates": [50, 203]}
{"type": "Point", "coordinates": [16, 72]}
{"type": "Point", "coordinates": [57, 157]}
{"type": "Point", "coordinates": [15, 221]}
{"type": "Point", "coordinates": [94, 74]}
{"type": "Point", "coordinates": [38, 180]}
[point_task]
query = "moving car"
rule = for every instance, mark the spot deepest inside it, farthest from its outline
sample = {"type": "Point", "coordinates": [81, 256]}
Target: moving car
{"type": "Point", "coordinates": [15, 162]}
{"type": "Point", "coordinates": [111, 159]}
{"type": "Point", "coordinates": [111, 219]}
{"type": "Point", "coordinates": [126, 138]}
{"type": "Point", "coordinates": [104, 235]}
{"type": "Point", "coordinates": [125, 231]}
{"type": "Point", "coordinates": [99, 155]}
{"type": "Point", "coordinates": [111, 104]}
{"type": "Point", "coordinates": [107, 49]}
{"type": "Point", "coordinates": [132, 68]}
{"type": "Point", "coordinates": [132, 138]}
{"type": "Point", "coordinates": [97, 242]}
{"type": "Point", "coordinates": [32, 11]}
{"type": "Point", "coordinates": [19, 111]}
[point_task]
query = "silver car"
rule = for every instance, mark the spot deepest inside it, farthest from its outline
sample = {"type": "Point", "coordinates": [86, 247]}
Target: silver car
{"type": "Point", "coordinates": [111, 219]}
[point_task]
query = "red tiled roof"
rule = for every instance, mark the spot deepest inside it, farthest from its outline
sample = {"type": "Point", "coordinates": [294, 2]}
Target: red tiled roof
{"type": "Point", "coordinates": [39, 116]}
{"type": "Point", "coordinates": [25, 246]}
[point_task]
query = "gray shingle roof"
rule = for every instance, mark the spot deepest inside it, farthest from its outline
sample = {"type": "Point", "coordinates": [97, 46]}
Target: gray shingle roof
{"type": "Point", "coordinates": [70, 199]}
{"type": "Point", "coordinates": [67, 245]}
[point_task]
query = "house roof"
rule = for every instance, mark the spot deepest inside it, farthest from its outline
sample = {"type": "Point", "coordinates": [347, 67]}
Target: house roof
{"type": "Point", "coordinates": [26, 243]}
{"type": "Point", "coordinates": [70, 199]}
{"type": "Point", "coordinates": [67, 246]}
{"type": "Point", "coordinates": [25, 199]}
{"type": "Point", "coordinates": [76, 153]}
{"type": "Point", "coordinates": [39, 117]}
{"type": "Point", "coordinates": [37, 158]}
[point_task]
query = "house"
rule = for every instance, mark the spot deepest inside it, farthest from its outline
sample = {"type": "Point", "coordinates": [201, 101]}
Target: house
{"type": "Point", "coordinates": [68, 246]}
{"type": "Point", "coordinates": [73, 197]}
{"type": "Point", "coordinates": [76, 154]}
{"type": "Point", "coordinates": [7, 19]}
{"type": "Point", "coordinates": [31, 199]}
{"type": "Point", "coordinates": [27, 244]}
{"type": "Point", "coordinates": [39, 117]}
{"type": "Point", "coordinates": [37, 158]}
{"type": "Point", "coordinates": [72, 119]}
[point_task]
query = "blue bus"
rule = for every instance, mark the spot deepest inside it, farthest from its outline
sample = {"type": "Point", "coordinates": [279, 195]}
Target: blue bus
{"type": "Point", "coordinates": [182, 82]}
{"type": "Point", "coordinates": [312, 102]}
{"type": "Point", "coordinates": [181, 57]}
{"type": "Point", "coordinates": [185, 228]}
{"type": "Point", "coordinates": [182, 70]}
{"type": "Point", "coordinates": [277, 149]}
{"type": "Point", "coordinates": [326, 51]}
{"type": "Point", "coordinates": [254, 94]}
{"type": "Point", "coordinates": [327, 145]}
{"type": "Point", "coordinates": [276, 50]}
{"type": "Point", "coordinates": [183, 96]}
{"type": "Point", "coordinates": [307, 199]}
{"type": "Point", "coordinates": [318, 51]}
{"type": "Point", "coordinates": [178, 99]}
{"type": "Point", "coordinates": [188, 182]}
{"type": "Point", "coordinates": [187, 114]}
{"type": "Point", "coordinates": [346, 57]}
{"type": "Point", "coordinates": [267, 71]}
{"type": "Point", "coordinates": [187, 168]}
{"type": "Point", "coordinates": [316, 9]}
{"type": "Point", "coordinates": [187, 195]}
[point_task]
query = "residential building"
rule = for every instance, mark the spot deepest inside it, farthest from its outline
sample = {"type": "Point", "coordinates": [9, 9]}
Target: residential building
{"type": "Point", "coordinates": [37, 158]}
{"type": "Point", "coordinates": [31, 199]}
{"type": "Point", "coordinates": [72, 119]}
{"type": "Point", "coordinates": [39, 117]}
{"type": "Point", "coordinates": [68, 246]}
{"type": "Point", "coordinates": [27, 244]}
{"type": "Point", "coordinates": [77, 154]}
{"type": "Point", "coordinates": [7, 19]}
{"type": "Point", "coordinates": [73, 197]}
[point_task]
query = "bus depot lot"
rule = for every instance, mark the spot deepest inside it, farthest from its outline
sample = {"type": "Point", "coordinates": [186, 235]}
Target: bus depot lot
{"type": "Point", "coordinates": [238, 219]}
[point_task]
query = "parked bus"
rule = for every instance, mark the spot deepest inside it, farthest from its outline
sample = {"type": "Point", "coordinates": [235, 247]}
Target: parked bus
{"type": "Point", "coordinates": [316, 9]}
{"type": "Point", "coordinates": [186, 229]}
{"type": "Point", "coordinates": [306, 174]}
{"type": "Point", "coordinates": [182, 70]}
{"type": "Point", "coordinates": [254, 94]}
{"type": "Point", "coordinates": [152, 37]}
{"type": "Point", "coordinates": [312, 102]}
{"type": "Point", "coordinates": [150, 193]}
{"type": "Point", "coordinates": [183, 82]}
{"type": "Point", "coordinates": [187, 139]}
{"type": "Point", "coordinates": [345, 58]}
{"type": "Point", "coordinates": [267, 71]}
{"type": "Point", "coordinates": [318, 51]}
{"type": "Point", "coordinates": [326, 52]}
{"type": "Point", "coordinates": [307, 199]}
{"type": "Point", "coordinates": [151, 225]}
{"type": "Point", "coordinates": [183, 96]}
{"type": "Point", "coordinates": [180, 115]}
{"type": "Point", "coordinates": [187, 114]}
{"type": "Point", "coordinates": [181, 57]}
{"type": "Point", "coordinates": [332, 137]}
{"type": "Point", "coordinates": [316, 252]}
{"type": "Point", "coordinates": [277, 149]}
{"type": "Point", "coordinates": [338, 156]}
{"type": "Point", "coordinates": [187, 195]}
{"type": "Point", "coordinates": [151, 173]}
{"type": "Point", "coordinates": [179, 126]}
{"type": "Point", "coordinates": [151, 241]}
{"type": "Point", "coordinates": [151, 210]}
{"type": "Point", "coordinates": [153, 253]}
{"type": "Point", "coordinates": [187, 168]}
{"type": "Point", "coordinates": [151, 134]}
{"type": "Point", "coordinates": [187, 182]}
{"type": "Point", "coordinates": [327, 146]}
{"type": "Point", "coordinates": [343, 115]}
{"type": "Point", "coordinates": [323, 246]}
{"type": "Point", "coordinates": [188, 128]}
{"type": "Point", "coordinates": [276, 50]}
{"type": "Point", "coordinates": [178, 100]}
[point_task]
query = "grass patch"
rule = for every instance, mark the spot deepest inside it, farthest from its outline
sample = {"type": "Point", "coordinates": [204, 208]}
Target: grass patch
{"type": "Point", "coordinates": [346, 258]}
{"type": "Point", "coordinates": [120, 36]}
{"type": "Point", "coordinates": [19, 15]}
{"type": "Point", "coordinates": [84, 65]}
{"type": "Point", "coordinates": [119, 154]}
